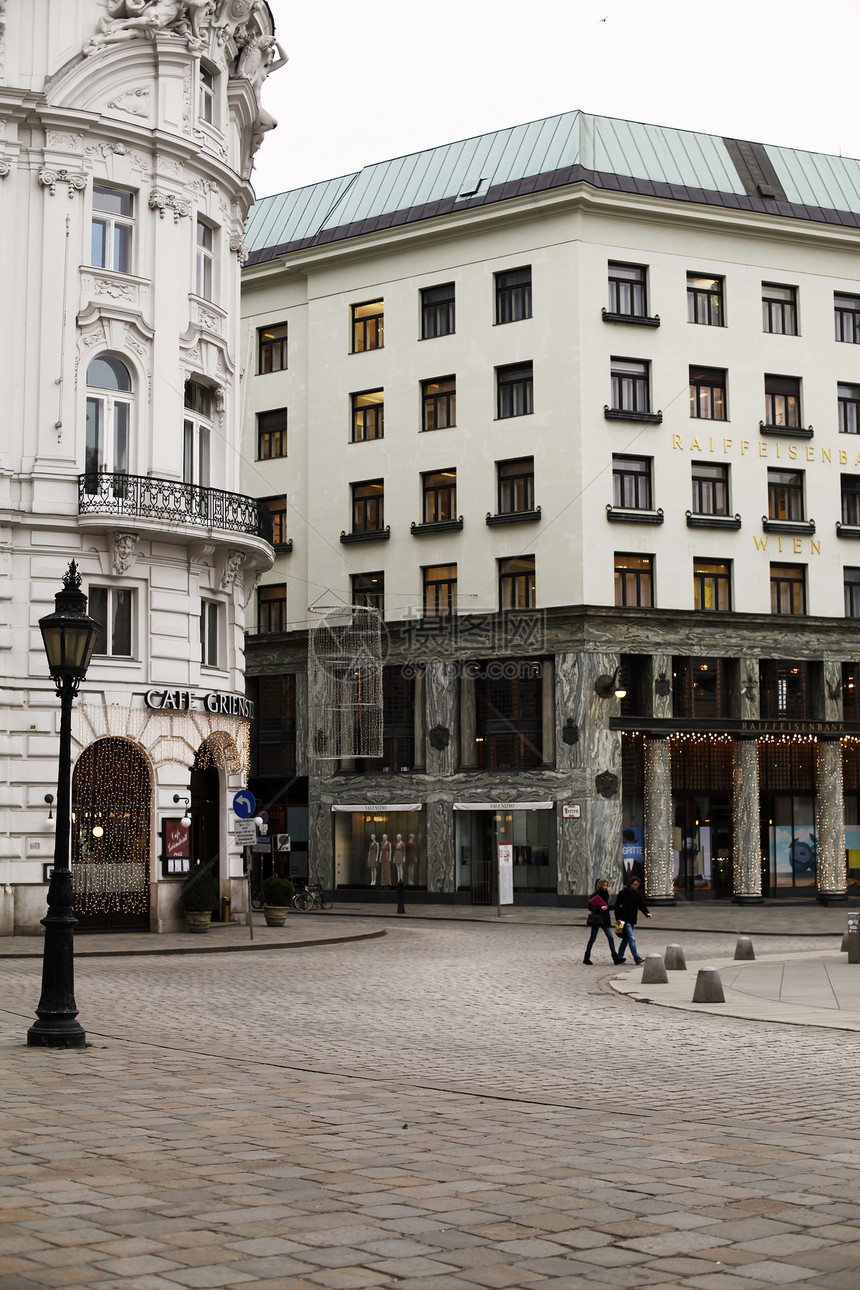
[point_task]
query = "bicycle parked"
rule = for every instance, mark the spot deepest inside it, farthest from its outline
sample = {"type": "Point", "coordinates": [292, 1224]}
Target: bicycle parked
{"type": "Point", "coordinates": [312, 897]}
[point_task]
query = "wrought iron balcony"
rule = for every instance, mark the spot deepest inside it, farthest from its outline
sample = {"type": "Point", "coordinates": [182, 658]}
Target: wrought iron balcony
{"type": "Point", "coordinates": [171, 502]}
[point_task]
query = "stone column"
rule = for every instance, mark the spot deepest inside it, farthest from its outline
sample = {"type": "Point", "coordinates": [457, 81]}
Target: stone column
{"type": "Point", "coordinates": [749, 689]}
{"type": "Point", "coordinates": [548, 711]}
{"type": "Point", "coordinates": [419, 725]}
{"type": "Point", "coordinates": [440, 846]}
{"type": "Point", "coordinates": [661, 685]}
{"type": "Point", "coordinates": [302, 723]}
{"type": "Point", "coordinates": [831, 875]}
{"type": "Point", "coordinates": [320, 844]}
{"type": "Point", "coordinates": [468, 750]}
{"type": "Point", "coordinates": [568, 752]}
{"type": "Point", "coordinates": [440, 690]}
{"type": "Point", "coordinates": [659, 888]}
{"type": "Point", "coordinates": [593, 848]}
{"type": "Point", "coordinates": [832, 689]}
{"type": "Point", "coordinates": [745, 818]}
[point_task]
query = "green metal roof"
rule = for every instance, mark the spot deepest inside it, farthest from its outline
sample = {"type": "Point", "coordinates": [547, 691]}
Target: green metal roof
{"type": "Point", "coordinates": [570, 148]}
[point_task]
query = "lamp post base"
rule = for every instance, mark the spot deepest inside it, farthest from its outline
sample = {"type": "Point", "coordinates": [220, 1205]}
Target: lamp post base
{"type": "Point", "coordinates": [56, 1032]}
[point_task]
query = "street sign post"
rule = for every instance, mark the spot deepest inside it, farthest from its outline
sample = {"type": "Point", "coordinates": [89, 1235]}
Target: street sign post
{"type": "Point", "coordinates": [282, 841]}
{"type": "Point", "coordinates": [245, 832]}
{"type": "Point", "coordinates": [506, 875]}
{"type": "Point", "coordinates": [244, 804]}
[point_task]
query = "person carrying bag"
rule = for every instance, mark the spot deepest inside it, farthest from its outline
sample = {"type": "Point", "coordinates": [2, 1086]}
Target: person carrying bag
{"type": "Point", "coordinates": [599, 919]}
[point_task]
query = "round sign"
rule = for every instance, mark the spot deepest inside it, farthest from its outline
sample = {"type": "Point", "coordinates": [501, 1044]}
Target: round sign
{"type": "Point", "coordinates": [244, 804]}
{"type": "Point", "coordinates": [264, 816]}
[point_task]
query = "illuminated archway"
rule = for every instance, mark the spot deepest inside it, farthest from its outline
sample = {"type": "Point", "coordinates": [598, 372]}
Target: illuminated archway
{"type": "Point", "coordinates": [111, 800]}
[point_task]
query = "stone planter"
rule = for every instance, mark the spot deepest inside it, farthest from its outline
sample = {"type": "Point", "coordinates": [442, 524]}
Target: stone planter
{"type": "Point", "coordinates": [276, 915]}
{"type": "Point", "coordinates": [198, 920]}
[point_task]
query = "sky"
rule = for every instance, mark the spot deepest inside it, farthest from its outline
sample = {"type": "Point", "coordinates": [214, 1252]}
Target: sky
{"type": "Point", "coordinates": [367, 82]}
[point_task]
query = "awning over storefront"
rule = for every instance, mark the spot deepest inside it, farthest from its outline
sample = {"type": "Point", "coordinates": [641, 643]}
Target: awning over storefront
{"type": "Point", "coordinates": [378, 806]}
{"type": "Point", "coordinates": [503, 806]}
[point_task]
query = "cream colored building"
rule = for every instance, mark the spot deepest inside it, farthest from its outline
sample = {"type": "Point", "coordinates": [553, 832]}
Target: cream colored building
{"type": "Point", "coordinates": [620, 373]}
{"type": "Point", "coordinates": [127, 135]}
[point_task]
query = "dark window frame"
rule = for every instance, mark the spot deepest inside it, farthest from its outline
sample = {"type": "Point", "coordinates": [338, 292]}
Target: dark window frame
{"type": "Point", "coordinates": [210, 632]}
{"type": "Point", "coordinates": [785, 494]}
{"type": "Point", "coordinates": [439, 406]}
{"type": "Point", "coordinates": [632, 478]}
{"type": "Point", "coordinates": [628, 295]}
{"type": "Point", "coordinates": [277, 508]}
{"type": "Point", "coordinates": [438, 311]}
{"type": "Point", "coordinates": [367, 498]}
{"type": "Point", "coordinates": [368, 416]}
{"type": "Point", "coordinates": [368, 590]}
{"type": "Point", "coordinates": [439, 495]}
{"type": "Point", "coordinates": [706, 304]}
{"type": "Point", "coordinates": [513, 289]}
{"type": "Point", "coordinates": [630, 389]}
{"type": "Point", "coordinates": [510, 485]}
{"type": "Point", "coordinates": [779, 313]}
{"type": "Point", "coordinates": [272, 352]}
{"type": "Point", "coordinates": [272, 437]}
{"type": "Point", "coordinates": [851, 591]}
{"type": "Point", "coordinates": [782, 401]}
{"type": "Point", "coordinates": [848, 407]}
{"type": "Point", "coordinates": [788, 590]}
{"type": "Point", "coordinates": [439, 593]}
{"type": "Point", "coordinates": [109, 640]}
{"type": "Point", "coordinates": [849, 488]}
{"type": "Point", "coordinates": [514, 390]}
{"type": "Point", "coordinates": [708, 393]}
{"type": "Point", "coordinates": [846, 317]}
{"type": "Point", "coordinates": [634, 583]}
{"type": "Point", "coordinates": [271, 609]}
{"type": "Point", "coordinates": [517, 583]}
{"type": "Point", "coordinates": [367, 330]}
{"type": "Point", "coordinates": [716, 575]}
{"type": "Point", "coordinates": [707, 487]}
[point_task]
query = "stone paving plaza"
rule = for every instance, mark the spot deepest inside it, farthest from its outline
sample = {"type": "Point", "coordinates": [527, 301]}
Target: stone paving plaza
{"type": "Point", "coordinates": [453, 1104]}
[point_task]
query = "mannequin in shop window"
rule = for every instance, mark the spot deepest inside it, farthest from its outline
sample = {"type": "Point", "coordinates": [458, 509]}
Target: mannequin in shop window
{"type": "Point", "coordinates": [399, 856]}
{"type": "Point", "coordinates": [373, 859]}
{"type": "Point", "coordinates": [411, 861]}
{"type": "Point", "coordinates": [385, 861]}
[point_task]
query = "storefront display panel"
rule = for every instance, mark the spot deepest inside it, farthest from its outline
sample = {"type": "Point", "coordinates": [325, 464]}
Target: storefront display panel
{"type": "Point", "coordinates": [380, 848]}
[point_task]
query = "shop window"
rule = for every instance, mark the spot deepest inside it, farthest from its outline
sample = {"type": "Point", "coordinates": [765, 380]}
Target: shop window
{"type": "Point", "coordinates": [631, 482]}
{"type": "Point", "coordinates": [210, 620]}
{"type": "Point", "coordinates": [634, 580]}
{"type": "Point", "coordinates": [113, 610]}
{"type": "Point", "coordinates": [272, 609]}
{"type": "Point", "coordinates": [785, 689]}
{"type": "Point", "coordinates": [271, 434]}
{"type": "Point", "coordinates": [439, 403]}
{"type": "Point", "coordinates": [477, 837]}
{"type": "Point", "coordinates": [788, 589]}
{"type": "Point", "coordinates": [398, 726]}
{"type": "Point", "coordinates": [514, 295]}
{"type": "Point", "coordinates": [273, 730]}
{"type": "Point", "coordinates": [514, 390]}
{"type": "Point", "coordinates": [708, 393]}
{"type": "Point", "coordinates": [710, 489]}
{"type": "Point", "coordinates": [367, 326]}
{"type": "Point", "coordinates": [700, 688]}
{"type": "Point", "coordinates": [437, 311]}
{"type": "Point", "coordinates": [705, 300]}
{"type": "Point", "coordinates": [779, 309]}
{"type": "Point", "coordinates": [368, 410]}
{"type": "Point", "coordinates": [112, 228]}
{"type": "Point", "coordinates": [368, 590]}
{"type": "Point", "coordinates": [517, 586]}
{"type": "Point", "coordinates": [712, 585]}
{"type": "Point", "coordinates": [508, 711]}
{"type": "Point", "coordinates": [272, 349]}
{"type": "Point", "coordinates": [846, 311]}
{"type": "Point", "coordinates": [380, 848]}
{"type": "Point", "coordinates": [516, 483]}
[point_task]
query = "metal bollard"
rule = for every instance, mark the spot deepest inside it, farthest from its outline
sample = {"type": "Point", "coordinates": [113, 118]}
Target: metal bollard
{"type": "Point", "coordinates": [709, 987]}
{"type": "Point", "coordinates": [654, 973]}
{"type": "Point", "coordinates": [853, 938]}
{"type": "Point", "coordinates": [674, 959]}
{"type": "Point", "coordinates": [225, 909]}
{"type": "Point", "coordinates": [401, 908]}
{"type": "Point", "coordinates": [744, 948]}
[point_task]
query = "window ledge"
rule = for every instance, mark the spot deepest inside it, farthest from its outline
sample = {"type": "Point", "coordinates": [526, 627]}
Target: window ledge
{"type": "Point", "coordinates": [638, 320]}
{"type": "Point", "coordinates": [436, 526]}
{"type": "Point", "coordinates": [283, 548]}
{"type": "Point", "coordinates": [806, 527]}
{"type": "Point", "coordinates": [789, 432]}
{"type": "Point", "coordinates": [629, 515]}
{"type": "Point", "coordinates": [619, 414]}
{"type": "Point", "coordinates": [712, 521]}
{"type": "Point", "coordinates": [847, 530]}
{"type": "Point", "coordinates": [514, 517]}
{"type": "Point", "coordinates": [369, 535]}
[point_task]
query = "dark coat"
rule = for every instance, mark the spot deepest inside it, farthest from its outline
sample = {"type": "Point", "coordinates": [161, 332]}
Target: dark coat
{"type": "Point", "coordinates": [599, 906]}
{"type": "Point", "coordinates": [628, 903]}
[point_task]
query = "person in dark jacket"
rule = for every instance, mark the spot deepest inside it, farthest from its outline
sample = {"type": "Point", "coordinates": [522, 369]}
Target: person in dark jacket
{"type": "Point", "coordinates": [599, 919]}
{"type": "Point", "coordinates": [628, 903]}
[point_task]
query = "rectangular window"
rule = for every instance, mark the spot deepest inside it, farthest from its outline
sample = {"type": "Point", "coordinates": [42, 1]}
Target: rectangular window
{"type": "Point", "coordinates": [272, 349]}
{"type": "Point", "coordinates": [779, 309]}
{"type": "Point", "coordinates": [851, 582]}
{"type": "Point", "coordinates": [514, 295]}
{"type": "Point", "coordinates": [437, 311]}
{"type": "Point", "coordinates": [368, 506]}
{"type": "Point", "coordinates": [846, 311]}
{"type": "Point", "coordinates": [788, 589]}
{"type": "Point", "coordinates": [705, 300]}
{"type": "Point", "coordinates": [627, 290]}
{"type": "Point", "coordinates": [782, 401]}
{"type": "Point", "coordinates": [515, 390]}
{"type": "Point", "coordinates": [440, 590]}
{"type": "Point", "coordinates": [516, 485]}
{"type": "Point", "coordinates": [848, 397]}
{"type": "Point", "coordinates": [205, 260]}
{"type": "Point", "coordinates": [439, 489]}
{"type": "Point", "coordinates": [785, 494]}
{"type": "Point", "coordinates": [112, 226]}
{"type": "Point", "coordinates": [111, 607]}
{"type": "Point", "coordinates": [517, 583]}
{"type": "Point", "coordinates": [708, 393]}
{"type": "Point", "coordinates": [630, 385]}
{"type": "Point", "coordinates": [209, 610]}
{"type": "Point", "coordinates": [367, 326]}
{"type": "Point", "coordinates": [271, 434]}
{"type": "Point", "coordinates": [700, 688]}
{"type": "Point", "coordinates": [631, 482]}
{"type": "Point", "coordinates": [277, 508]}
{"type": "Point", "coordinates": [272, 609]}
{"type": "Point", "coordinates": [439, 403]}
{"type": "Point", "coordinates": [710, 489]}
{"type": "Point", "coordinates": [206, 95]}
{"type": "Point", "coordinates": [634, 580]}
{"type": "Point", "coordinates": [368, 590]}
{"type": "Point", "coordinates": [367, 416]}
{"type": "Point", "coordinates": [850, 499]}
{"type": "Point", "coordinates": [712, 584]}
{"type": "Point", "coordinates": [509, 720]}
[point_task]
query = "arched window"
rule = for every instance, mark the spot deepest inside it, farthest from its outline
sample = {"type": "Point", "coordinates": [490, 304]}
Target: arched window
{"type": "Point", "coordinates": [109, 400]}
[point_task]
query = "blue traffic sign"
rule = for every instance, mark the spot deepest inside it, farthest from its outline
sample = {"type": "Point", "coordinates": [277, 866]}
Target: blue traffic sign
{"type": "Point", "coordinates": [244, 804]}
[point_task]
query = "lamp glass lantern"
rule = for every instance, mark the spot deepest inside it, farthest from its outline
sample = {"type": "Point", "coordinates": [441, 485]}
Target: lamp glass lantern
{"type": "Point", "coordinates": [69, 634]}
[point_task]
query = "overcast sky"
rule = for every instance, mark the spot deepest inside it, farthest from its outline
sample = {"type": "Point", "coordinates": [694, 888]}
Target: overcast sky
{"type": "Point", "coordinates": [367, 82]}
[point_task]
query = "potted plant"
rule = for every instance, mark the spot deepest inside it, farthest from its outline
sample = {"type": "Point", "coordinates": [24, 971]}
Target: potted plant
{"type": "Point", "coordinates": [277, 898]}
{"type": "Point", "coordinates": [199, 898]}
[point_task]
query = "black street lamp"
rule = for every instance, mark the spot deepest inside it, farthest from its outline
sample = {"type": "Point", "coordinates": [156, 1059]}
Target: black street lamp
{"type": "Point", "coordinates": [69, 636]}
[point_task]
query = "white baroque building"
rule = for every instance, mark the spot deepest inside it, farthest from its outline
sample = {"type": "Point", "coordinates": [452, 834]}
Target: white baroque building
{"type": "Point", "coordinates": [127, 133]}
{"type": "Point", "coordinates": [576, 406]}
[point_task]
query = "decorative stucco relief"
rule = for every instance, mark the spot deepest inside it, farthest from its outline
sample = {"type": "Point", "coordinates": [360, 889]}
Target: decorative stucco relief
{"type": "Point", "coordinates": [108, 150]}
{"type": "Point", "coordinates": [5, 169]}
{"type": "Point", "coordinates": [238, 246]}
{"type": "Point", "coordinates": [124, 554]}
{"type": "Point", "coordinates": [63, 141]}
{"type": "Point", "coordinates": [169, 201]}
{"type": "Point", "coordinates": [49, 179]}
{"type": "Point", "coordinates": [134, 102]}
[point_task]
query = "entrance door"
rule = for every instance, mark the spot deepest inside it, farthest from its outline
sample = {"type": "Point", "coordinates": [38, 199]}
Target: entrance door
{"type": "Point", "coordinates": [789, 843]}
{"type": "Point", "coordinates": [703, 833]}
{"type": "Point", "coordinates": [111, 798]}
{"type": "Point", "coordinates": [205, 817]}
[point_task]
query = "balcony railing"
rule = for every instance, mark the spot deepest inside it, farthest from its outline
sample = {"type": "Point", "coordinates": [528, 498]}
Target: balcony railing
{"type": "Point", "coordinates": [168, 500]}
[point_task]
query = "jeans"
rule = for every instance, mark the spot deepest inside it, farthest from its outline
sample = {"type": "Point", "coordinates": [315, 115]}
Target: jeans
{"type": "Point", "coordinates": [593, 937]}
{"type": "Point", "coordinates": [627, 939]}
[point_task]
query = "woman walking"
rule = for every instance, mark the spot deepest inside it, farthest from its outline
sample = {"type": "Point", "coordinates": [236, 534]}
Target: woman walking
{"type": "Point", "coordinates": [599, 919]}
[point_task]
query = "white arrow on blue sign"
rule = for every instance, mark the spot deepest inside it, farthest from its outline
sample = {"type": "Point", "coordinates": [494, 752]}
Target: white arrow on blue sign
{"type": "Point", "coordinates": [244, 804]}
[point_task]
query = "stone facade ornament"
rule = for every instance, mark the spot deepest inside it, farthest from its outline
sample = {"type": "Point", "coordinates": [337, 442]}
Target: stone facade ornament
{"type": "Point", "coordinates": [169, 201]}
{"type": "Point", "coordinates": [124, 554]}
{"type": "Point", "coordinates": [440, 737]}
{"type": "Point", "coordinates": [570, 732]}
{"type": "Point", "coordinates": [606, 783]}
{"type": "Point", "coordinates": [239, 247]}
{"type": "Point", "coordinates": [232, 569]}
{"type": "Point", "coordinates": [5, 169]}
{"type": "Point", "coordinates": [193, 21]}
{"type": "Point", "coordinates": [662, 686]}
{"type": "Point", "coordinates": [50, 178]}
{"type": "Point", "coordinates": [134, 102]}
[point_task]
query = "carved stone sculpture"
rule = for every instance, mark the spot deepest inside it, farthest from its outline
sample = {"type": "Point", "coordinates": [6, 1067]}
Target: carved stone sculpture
{"type": "Point", "coordinates": [123, 551]}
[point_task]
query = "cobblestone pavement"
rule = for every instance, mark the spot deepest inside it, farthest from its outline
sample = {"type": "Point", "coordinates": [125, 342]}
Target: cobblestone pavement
{"type": "Point", "coordinates": [454, 1105]}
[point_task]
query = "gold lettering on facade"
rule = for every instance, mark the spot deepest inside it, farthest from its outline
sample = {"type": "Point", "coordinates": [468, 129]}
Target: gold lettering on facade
{"type": "Point", "coordinates": [676, 442]}
{"type": "Point", "coordinates": [810, 453]}
{"type": "Point", "coordinates": [816, 547]}
{"type": "Point", "coordinates": [695, 446]}
{"type": "Point", "coordinates": [727, 443]}
{"type": "Point", "coordinates": [762, 450]}
{"type": "Point", "coordinates": [798, 547]}
{"type": "Point", "coordinates": [843, 457]}
{"type": "Point", "coordinates": [761, 543]}
{"type": "Point", "coordinates": [792, 452]}
{"type": "Point", "coordinates": [825, 454]}
{"type": "Point", "coordinates": [745, 444]}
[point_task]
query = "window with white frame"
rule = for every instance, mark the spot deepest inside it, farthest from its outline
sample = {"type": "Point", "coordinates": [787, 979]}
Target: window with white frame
{"type": "Point", "coordinates": [109, 405]}
{"type": "Point", "coordinates": [112, 228]}
{"type": "Point", "coordinates": [210, 621]}
{"type": "Point", "coordinates": [206, 95]}
{"type": "Point", "coordinates": [205, 260]}
{"type": "Point", "coordinates": [113, 610]}
{"type": "Point", "coordinates": [196, 434]}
